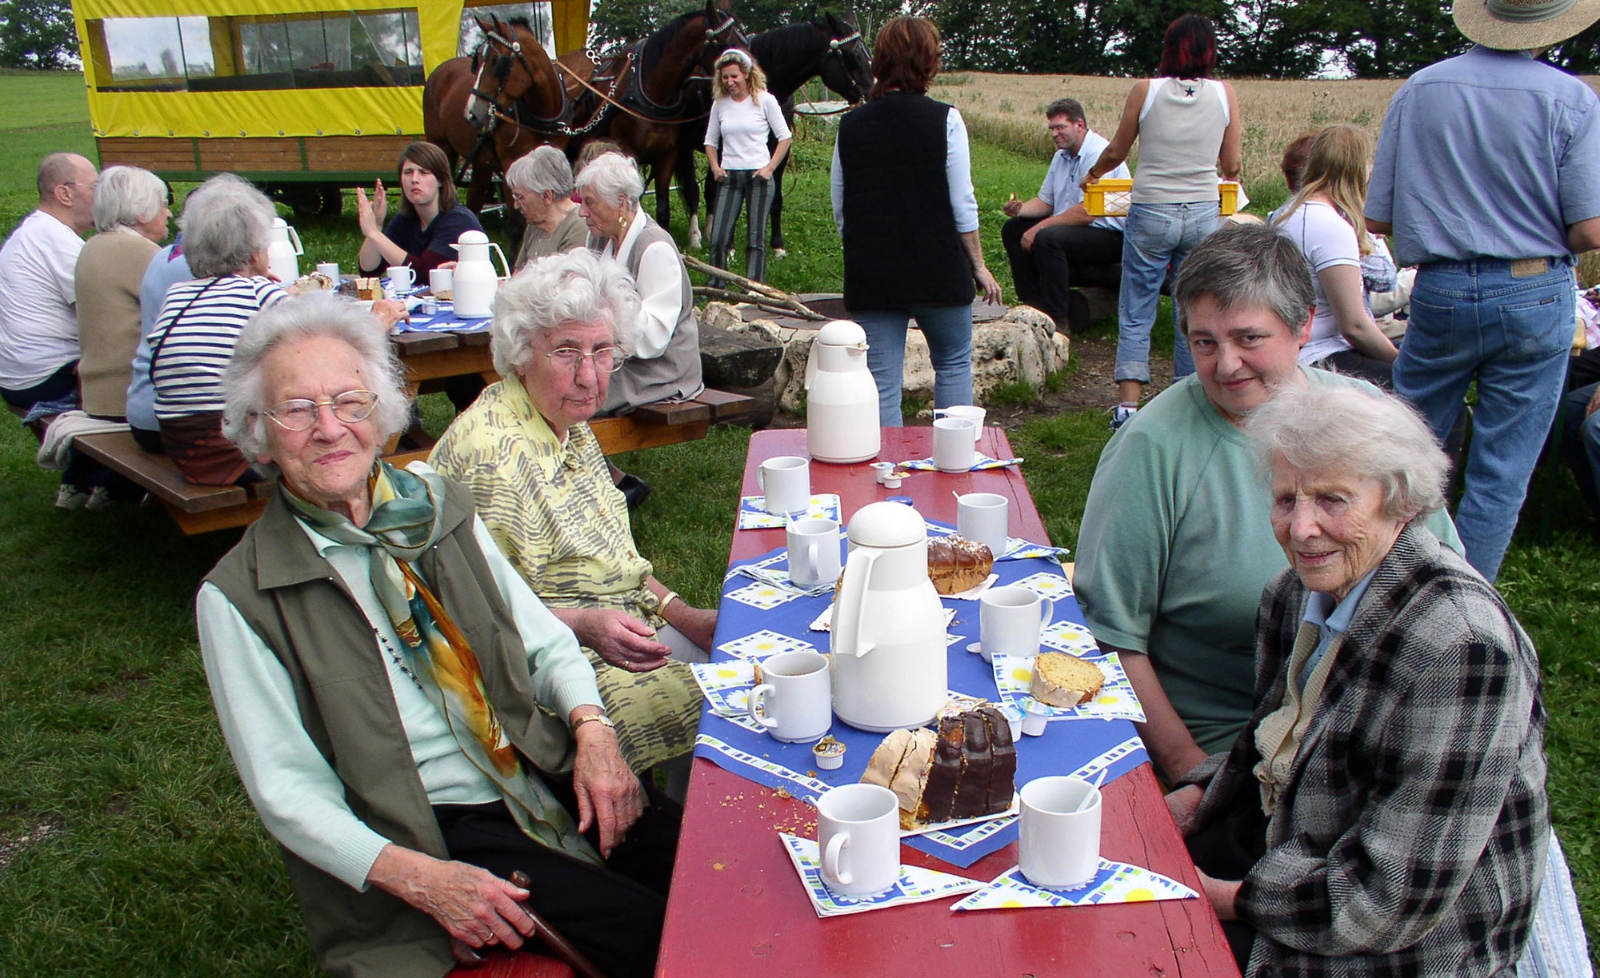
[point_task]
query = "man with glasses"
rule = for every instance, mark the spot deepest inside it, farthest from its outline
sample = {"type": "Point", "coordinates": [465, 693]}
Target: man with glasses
{"type": "Point", "coordinates": [1051, 239]}
{"type": "Point", "coordinates": [38, 305]}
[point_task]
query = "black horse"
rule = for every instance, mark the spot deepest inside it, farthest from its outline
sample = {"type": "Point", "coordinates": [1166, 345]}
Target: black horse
{"type": "Point", "coordinates": [791, 56]}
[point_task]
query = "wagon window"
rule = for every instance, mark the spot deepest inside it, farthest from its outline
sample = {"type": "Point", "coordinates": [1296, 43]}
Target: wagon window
{"type": "Point", "coordinates": [332, 49]}
{"type": "Point", "coordinates": [150, 53]}
{"type": "Point", "coordinates": [536, 14]}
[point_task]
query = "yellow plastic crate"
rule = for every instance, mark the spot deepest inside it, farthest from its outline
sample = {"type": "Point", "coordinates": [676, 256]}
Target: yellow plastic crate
{"type": "Point", "coordinates": [1110, 197]}
{"type": "Point", "coordinates": [1230, 196]}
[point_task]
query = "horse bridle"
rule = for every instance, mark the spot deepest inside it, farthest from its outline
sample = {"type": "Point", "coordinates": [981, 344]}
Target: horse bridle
{"type": "Point", "coordinates": [836, 49]}
{"type": "Point", "coordinates": [515, 47]}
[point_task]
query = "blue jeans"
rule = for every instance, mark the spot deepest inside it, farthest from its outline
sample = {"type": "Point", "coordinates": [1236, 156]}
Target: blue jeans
{"type": "Point", "coordinates": [1476, 320]}
{"type": "Point", "coordinates": [948, 330]}
{"type": "Point", "coordinates": [1580, 443]}
{"type": "Point", "coordinates": [1155, 237]}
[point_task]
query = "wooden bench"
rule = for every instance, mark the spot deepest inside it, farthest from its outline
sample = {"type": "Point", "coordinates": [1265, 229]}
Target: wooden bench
{"type": "Point", "coordinates": [202, 509]}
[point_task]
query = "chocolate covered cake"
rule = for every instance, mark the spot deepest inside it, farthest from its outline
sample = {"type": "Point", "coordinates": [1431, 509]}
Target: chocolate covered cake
{"type": "Point", "coordinates": [965, 770]}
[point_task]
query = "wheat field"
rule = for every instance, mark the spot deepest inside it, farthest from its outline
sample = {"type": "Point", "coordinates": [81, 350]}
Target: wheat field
{"type": "Point", "coordinates": [1009, 110]}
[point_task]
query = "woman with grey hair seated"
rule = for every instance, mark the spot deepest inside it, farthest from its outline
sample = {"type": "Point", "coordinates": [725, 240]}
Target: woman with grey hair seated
{"type": "Point", "coordinates": [562, 327]}
{"type": "Point", "coordinates": [226, 226]}
{"type": "Point", "coordinates": [541, 191]}
{"type": "Point", "coordinates": [1384, 810]}
{"type": "Point", "coordinates": [665, 363]}
{"type": "Point", "coordinates": [131, 216]}
{"type": "Point", "coordinates": [409, 720]}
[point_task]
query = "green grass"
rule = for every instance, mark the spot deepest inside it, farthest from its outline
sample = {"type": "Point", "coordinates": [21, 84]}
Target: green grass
{"type": "Point", "coordinates": [156, 863]}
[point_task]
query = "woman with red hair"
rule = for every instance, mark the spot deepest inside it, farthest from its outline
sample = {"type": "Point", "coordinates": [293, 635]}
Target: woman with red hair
{"type": "Point", "coordinates": [1187, 125]}
{"type": "Point", "coordinates": [906, 211]}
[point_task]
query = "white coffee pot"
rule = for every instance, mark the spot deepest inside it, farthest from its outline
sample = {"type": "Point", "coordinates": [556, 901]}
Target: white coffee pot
{"type": "Point", "coordinates": [887, 631]}
{"type": "Point", "coordinates": [475, 281]}
{"type": "Point", "coordinates": [841, 396]}
{"type": "Point", "coordinates": [283, 251]}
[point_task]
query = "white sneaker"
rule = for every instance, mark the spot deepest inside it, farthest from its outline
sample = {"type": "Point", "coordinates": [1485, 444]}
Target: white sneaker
{"type": "Point", "coordinates": [1121, 413]}
{"type": "Point", "coordinates": [71, 497]}
{"type": "Point", "coordinates": [99, 499]}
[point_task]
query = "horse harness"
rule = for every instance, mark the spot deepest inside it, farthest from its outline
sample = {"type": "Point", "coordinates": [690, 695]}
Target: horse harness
{"type": "Point", "coordinates": [544, 126]}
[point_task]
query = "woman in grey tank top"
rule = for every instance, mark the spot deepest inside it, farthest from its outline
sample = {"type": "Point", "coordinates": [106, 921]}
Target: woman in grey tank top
{"type": "Point", "coordinates": [1187, 125]}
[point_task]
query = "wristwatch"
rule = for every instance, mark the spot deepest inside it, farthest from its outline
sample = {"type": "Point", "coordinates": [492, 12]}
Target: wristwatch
{"type": "Point", "coordinates": [599, 718]}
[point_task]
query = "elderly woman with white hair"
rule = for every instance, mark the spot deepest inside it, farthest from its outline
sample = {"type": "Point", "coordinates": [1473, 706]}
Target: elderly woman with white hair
{"type": "Point", "coordinates": [410, 721]}
{"type": "Point", "coordinates": [561, 328]}
{"type": "Point", "coordinates": [665, 362]}
{"type": "Point", "coordinates": [1384, 810]}
{"type": "Point", "coordinates": [226, 226]}
{"type": "Point", "coordinates": [541, 191]}
{"type": "Point", "coordinates": [131, 216]}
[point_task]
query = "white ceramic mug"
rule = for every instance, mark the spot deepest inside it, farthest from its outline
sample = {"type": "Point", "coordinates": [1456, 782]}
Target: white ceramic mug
{"type": "Point", "coordinates": [982, 518]}
{"type": "Point", "coordinates": [330, 269]}
{"type": "Point", "coordinates": [441, 280]}
{"type": "Point", "coordinates": [1010, 620]}
{"type": "Point", "coordinates": [1060, 846]}
{"type": "Point", "coordinates": [402, 277]}
{"type": "Point", "coordinates": [785, 481]}
{"type": "Point", "coordinates": [795, 698]}
{"type": "Point", "coordinates": [858, 838]}
{"type": "Point", "coordinates": [953, 444]}
{"type": "Point", "coordinates": [970, 411]}
{"type": "Point", "coordinates": [814, 552]}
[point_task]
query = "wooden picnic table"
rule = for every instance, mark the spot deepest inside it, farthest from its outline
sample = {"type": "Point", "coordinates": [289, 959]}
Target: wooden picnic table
{"type": "Point", "coordinates": [737, 906]}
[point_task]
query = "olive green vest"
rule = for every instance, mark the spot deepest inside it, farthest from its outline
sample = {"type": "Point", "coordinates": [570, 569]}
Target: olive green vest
{"type": "Point", "coordinates": [292, 599]}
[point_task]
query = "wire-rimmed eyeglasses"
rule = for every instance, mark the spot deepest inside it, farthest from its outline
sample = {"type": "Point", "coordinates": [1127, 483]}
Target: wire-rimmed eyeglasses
{"type": "Point", "coordinates": [606, 359]}
{"type": "Point", "coordinates": [300, 414]}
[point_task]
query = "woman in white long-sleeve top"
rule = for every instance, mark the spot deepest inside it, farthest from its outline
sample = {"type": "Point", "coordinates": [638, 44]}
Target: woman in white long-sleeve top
{"type": "Point", "coordinates": [743, 118]}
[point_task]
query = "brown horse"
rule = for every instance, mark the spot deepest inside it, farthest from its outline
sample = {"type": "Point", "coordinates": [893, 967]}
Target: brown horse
{"type": "Point", "coordinates": [648, 87]}
{"type": "Point", "coordinates": [494, 107]}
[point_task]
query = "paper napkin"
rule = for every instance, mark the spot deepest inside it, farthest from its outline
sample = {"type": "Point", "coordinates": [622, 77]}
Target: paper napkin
{"type": "Point", "coordinates": [1114, 883]}
{"type": "Point", "coordinates": [915, 885]}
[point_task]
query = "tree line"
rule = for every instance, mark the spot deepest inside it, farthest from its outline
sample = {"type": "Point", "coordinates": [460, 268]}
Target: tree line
{"type": "Point", "coordinates": [1256, 38]}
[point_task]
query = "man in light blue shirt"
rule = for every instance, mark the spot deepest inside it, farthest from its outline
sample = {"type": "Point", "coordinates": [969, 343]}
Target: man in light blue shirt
{"type": "Point", "coordinates": [1051, 240]}
{"type": "Point", "coordinates": [1488, 177]}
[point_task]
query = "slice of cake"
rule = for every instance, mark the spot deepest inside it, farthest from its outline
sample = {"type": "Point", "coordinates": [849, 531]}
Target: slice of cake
{"type": "Point", "coordinates": [1064, 680]}
{"type": "Point", "coordinates": [901, 764]}
{"type": "Point", "coordinates": [956, 563]}
{"type": "Point", "coordinates": [965, 770]}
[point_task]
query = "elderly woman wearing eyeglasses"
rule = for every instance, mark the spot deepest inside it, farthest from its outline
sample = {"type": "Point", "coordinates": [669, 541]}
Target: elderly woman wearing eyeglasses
{"type": "Point", "coordinates": [562, 326]}
{"type": "Point", "coordinates": [412, 724]}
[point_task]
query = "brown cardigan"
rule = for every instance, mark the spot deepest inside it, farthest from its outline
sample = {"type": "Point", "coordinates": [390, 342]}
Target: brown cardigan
{"type": "Point", "coordinates": [110, 269]}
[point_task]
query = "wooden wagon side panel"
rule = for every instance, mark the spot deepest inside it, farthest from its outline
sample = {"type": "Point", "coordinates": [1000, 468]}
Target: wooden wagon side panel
{"type": "Point", "coordinates": [156, 154]}
{"type": "Point", "coordinates": [247, 154]}
{"type": "Point", "coordinates": [343, 154]}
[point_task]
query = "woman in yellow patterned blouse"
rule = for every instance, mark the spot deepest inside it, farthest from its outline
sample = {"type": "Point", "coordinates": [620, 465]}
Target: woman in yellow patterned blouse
{"type": "Point", "coordinates": [561, 326]}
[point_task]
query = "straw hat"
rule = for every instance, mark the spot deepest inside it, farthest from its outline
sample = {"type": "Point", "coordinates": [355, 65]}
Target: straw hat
{"type": "Point", "coordinates": [1519, 25]}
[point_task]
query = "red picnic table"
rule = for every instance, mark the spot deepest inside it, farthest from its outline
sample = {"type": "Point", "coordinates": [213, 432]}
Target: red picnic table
{"type": "Point", "coordinates": [738, 908]}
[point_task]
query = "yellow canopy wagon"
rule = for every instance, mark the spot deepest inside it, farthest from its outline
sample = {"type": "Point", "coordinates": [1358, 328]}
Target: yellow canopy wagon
{"type": "Point", "coordinates": [303, 97]}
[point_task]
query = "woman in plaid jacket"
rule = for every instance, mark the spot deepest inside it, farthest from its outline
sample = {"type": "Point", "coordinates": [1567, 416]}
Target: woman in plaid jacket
{"type": "Point", "coordinates": [1384, 811]}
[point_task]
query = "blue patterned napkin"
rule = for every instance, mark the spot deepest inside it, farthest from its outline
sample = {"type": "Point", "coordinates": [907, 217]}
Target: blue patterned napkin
{"type": "Point", "coordinates": [915, 885]}
{"type": "Point", "coordinates": [1114, 883]}
{"type": "Point", "coordinates": [983, 463]}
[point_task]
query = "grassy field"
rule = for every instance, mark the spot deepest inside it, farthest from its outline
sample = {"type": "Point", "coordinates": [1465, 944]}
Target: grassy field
{"type": "Point", "coordinates": [126, 844]}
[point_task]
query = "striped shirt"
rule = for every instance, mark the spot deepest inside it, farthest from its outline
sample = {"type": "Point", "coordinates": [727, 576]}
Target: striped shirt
{"type": "Point", "coordinates": [203, 318]}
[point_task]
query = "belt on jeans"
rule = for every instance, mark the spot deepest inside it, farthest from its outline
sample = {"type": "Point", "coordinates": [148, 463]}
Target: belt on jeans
{"type": "Point", "coordinates": [1519, 267]}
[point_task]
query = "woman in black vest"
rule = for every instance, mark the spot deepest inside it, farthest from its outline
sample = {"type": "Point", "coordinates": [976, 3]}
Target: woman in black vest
{"type": "Point", "coordinates": [903, 201]}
